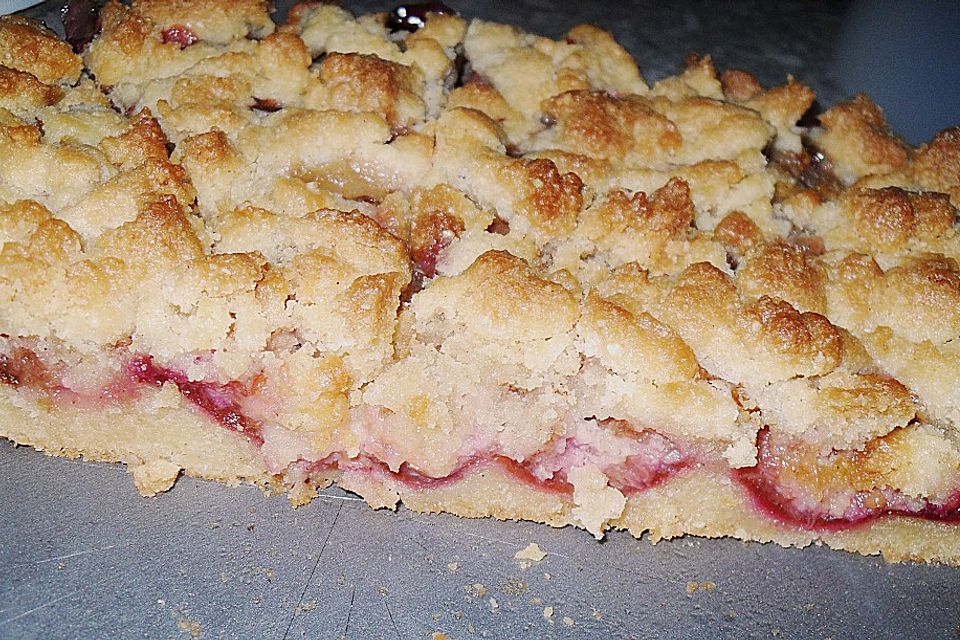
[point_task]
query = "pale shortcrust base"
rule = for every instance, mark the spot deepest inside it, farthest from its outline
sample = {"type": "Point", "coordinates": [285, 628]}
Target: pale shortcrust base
{"type": "Point", "coordinates": [162, 434]}
{"type": "Point", "coordinates": [714, 505]}
{"type": "Point", "coordinates": [157, 437]}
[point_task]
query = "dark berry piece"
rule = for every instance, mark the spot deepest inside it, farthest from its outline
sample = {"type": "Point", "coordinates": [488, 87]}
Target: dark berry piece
{"type": "Point", "coordinates": [81, 22]}
{"type": "Point", "coordinates": [410, 17]}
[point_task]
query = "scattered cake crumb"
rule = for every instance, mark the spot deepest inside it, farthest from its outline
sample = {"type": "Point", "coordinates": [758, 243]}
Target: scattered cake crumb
{"type": "Point", "coordinates": [531, 552]}
{"type": "Point", "coordinates": [494, 605]}
{"type": "Point", "coordinates": [453, 566]}
{"type": "Point", "coordinates": [476, 590]}
{"type": "Point", "coordinates": [567, 620]}
{"type": "Point", "coordinates": [693, 586]}
{"type": "Point", "coordinates": [548, 612]}
{"type": "Point", "coordinates": [195, 629]}
{"type": "Point", "coordinates": [306, 607]}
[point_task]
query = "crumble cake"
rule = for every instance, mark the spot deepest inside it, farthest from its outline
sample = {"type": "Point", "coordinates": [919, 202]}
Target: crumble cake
{"type": "Point", "coordinates": [446, 262]}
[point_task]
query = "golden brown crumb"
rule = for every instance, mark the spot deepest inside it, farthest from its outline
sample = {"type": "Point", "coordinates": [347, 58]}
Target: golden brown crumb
{"type": "Point", "coordinates": [858, 139]}
{"type": "Point", "coordinates": [27, 46]}
{"type": "Point", "coordinates": [740, 85]}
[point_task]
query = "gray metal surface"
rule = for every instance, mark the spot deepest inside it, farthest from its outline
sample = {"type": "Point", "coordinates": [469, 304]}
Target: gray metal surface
{"type": "Point", "coordinates": [82, 556]}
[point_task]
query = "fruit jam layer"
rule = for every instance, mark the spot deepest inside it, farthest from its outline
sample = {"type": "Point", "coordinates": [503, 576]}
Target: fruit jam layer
{"type": "Point", "coordinates": [790, 484]}
{"type": "Point", "coordinates": [795, 485]}
{"type": "Point", "coordinates": [219, 401]}
{"type": "Point", "coordinates": [654, 459]}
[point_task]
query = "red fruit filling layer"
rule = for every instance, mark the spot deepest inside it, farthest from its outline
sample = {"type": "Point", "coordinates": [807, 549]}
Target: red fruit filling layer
{"type": "Point", "coordinates": [22, 367]}
{"type": "Point", "coordinates": [653, 458]}
{"type": "Point", "coordinates": [179, 34]}
{"type": "Point", "coordinates": [639, 472]}
{"type": "Point", "coordinates": [795, 485]}
{"type": "Point", "coordinates": [220, 401]}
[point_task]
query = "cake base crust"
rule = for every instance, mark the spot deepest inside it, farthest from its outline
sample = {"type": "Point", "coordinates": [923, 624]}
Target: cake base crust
{"type": "Point", "coordinates": [157, 437]}
{"type": "Point", "coordinates": [162, 435]}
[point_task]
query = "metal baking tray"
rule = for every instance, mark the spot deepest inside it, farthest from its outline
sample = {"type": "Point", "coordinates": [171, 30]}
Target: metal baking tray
{"type": "Point", "coordinates": [83, 556]}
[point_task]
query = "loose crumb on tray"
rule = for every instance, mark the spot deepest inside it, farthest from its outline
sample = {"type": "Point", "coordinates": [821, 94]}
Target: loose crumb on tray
{"type": "Point", "coordinates": [531, 552]}
{"type": "Point", "coordinates": [693, 586]}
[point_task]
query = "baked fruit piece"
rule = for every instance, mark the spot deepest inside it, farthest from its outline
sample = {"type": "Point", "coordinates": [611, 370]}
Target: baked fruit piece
{"type": "Point", "coordinates": [478, 271]}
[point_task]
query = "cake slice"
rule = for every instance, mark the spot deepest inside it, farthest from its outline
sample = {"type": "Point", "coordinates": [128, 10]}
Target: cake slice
{"type": "Point", "coordinates": [453, 264]}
